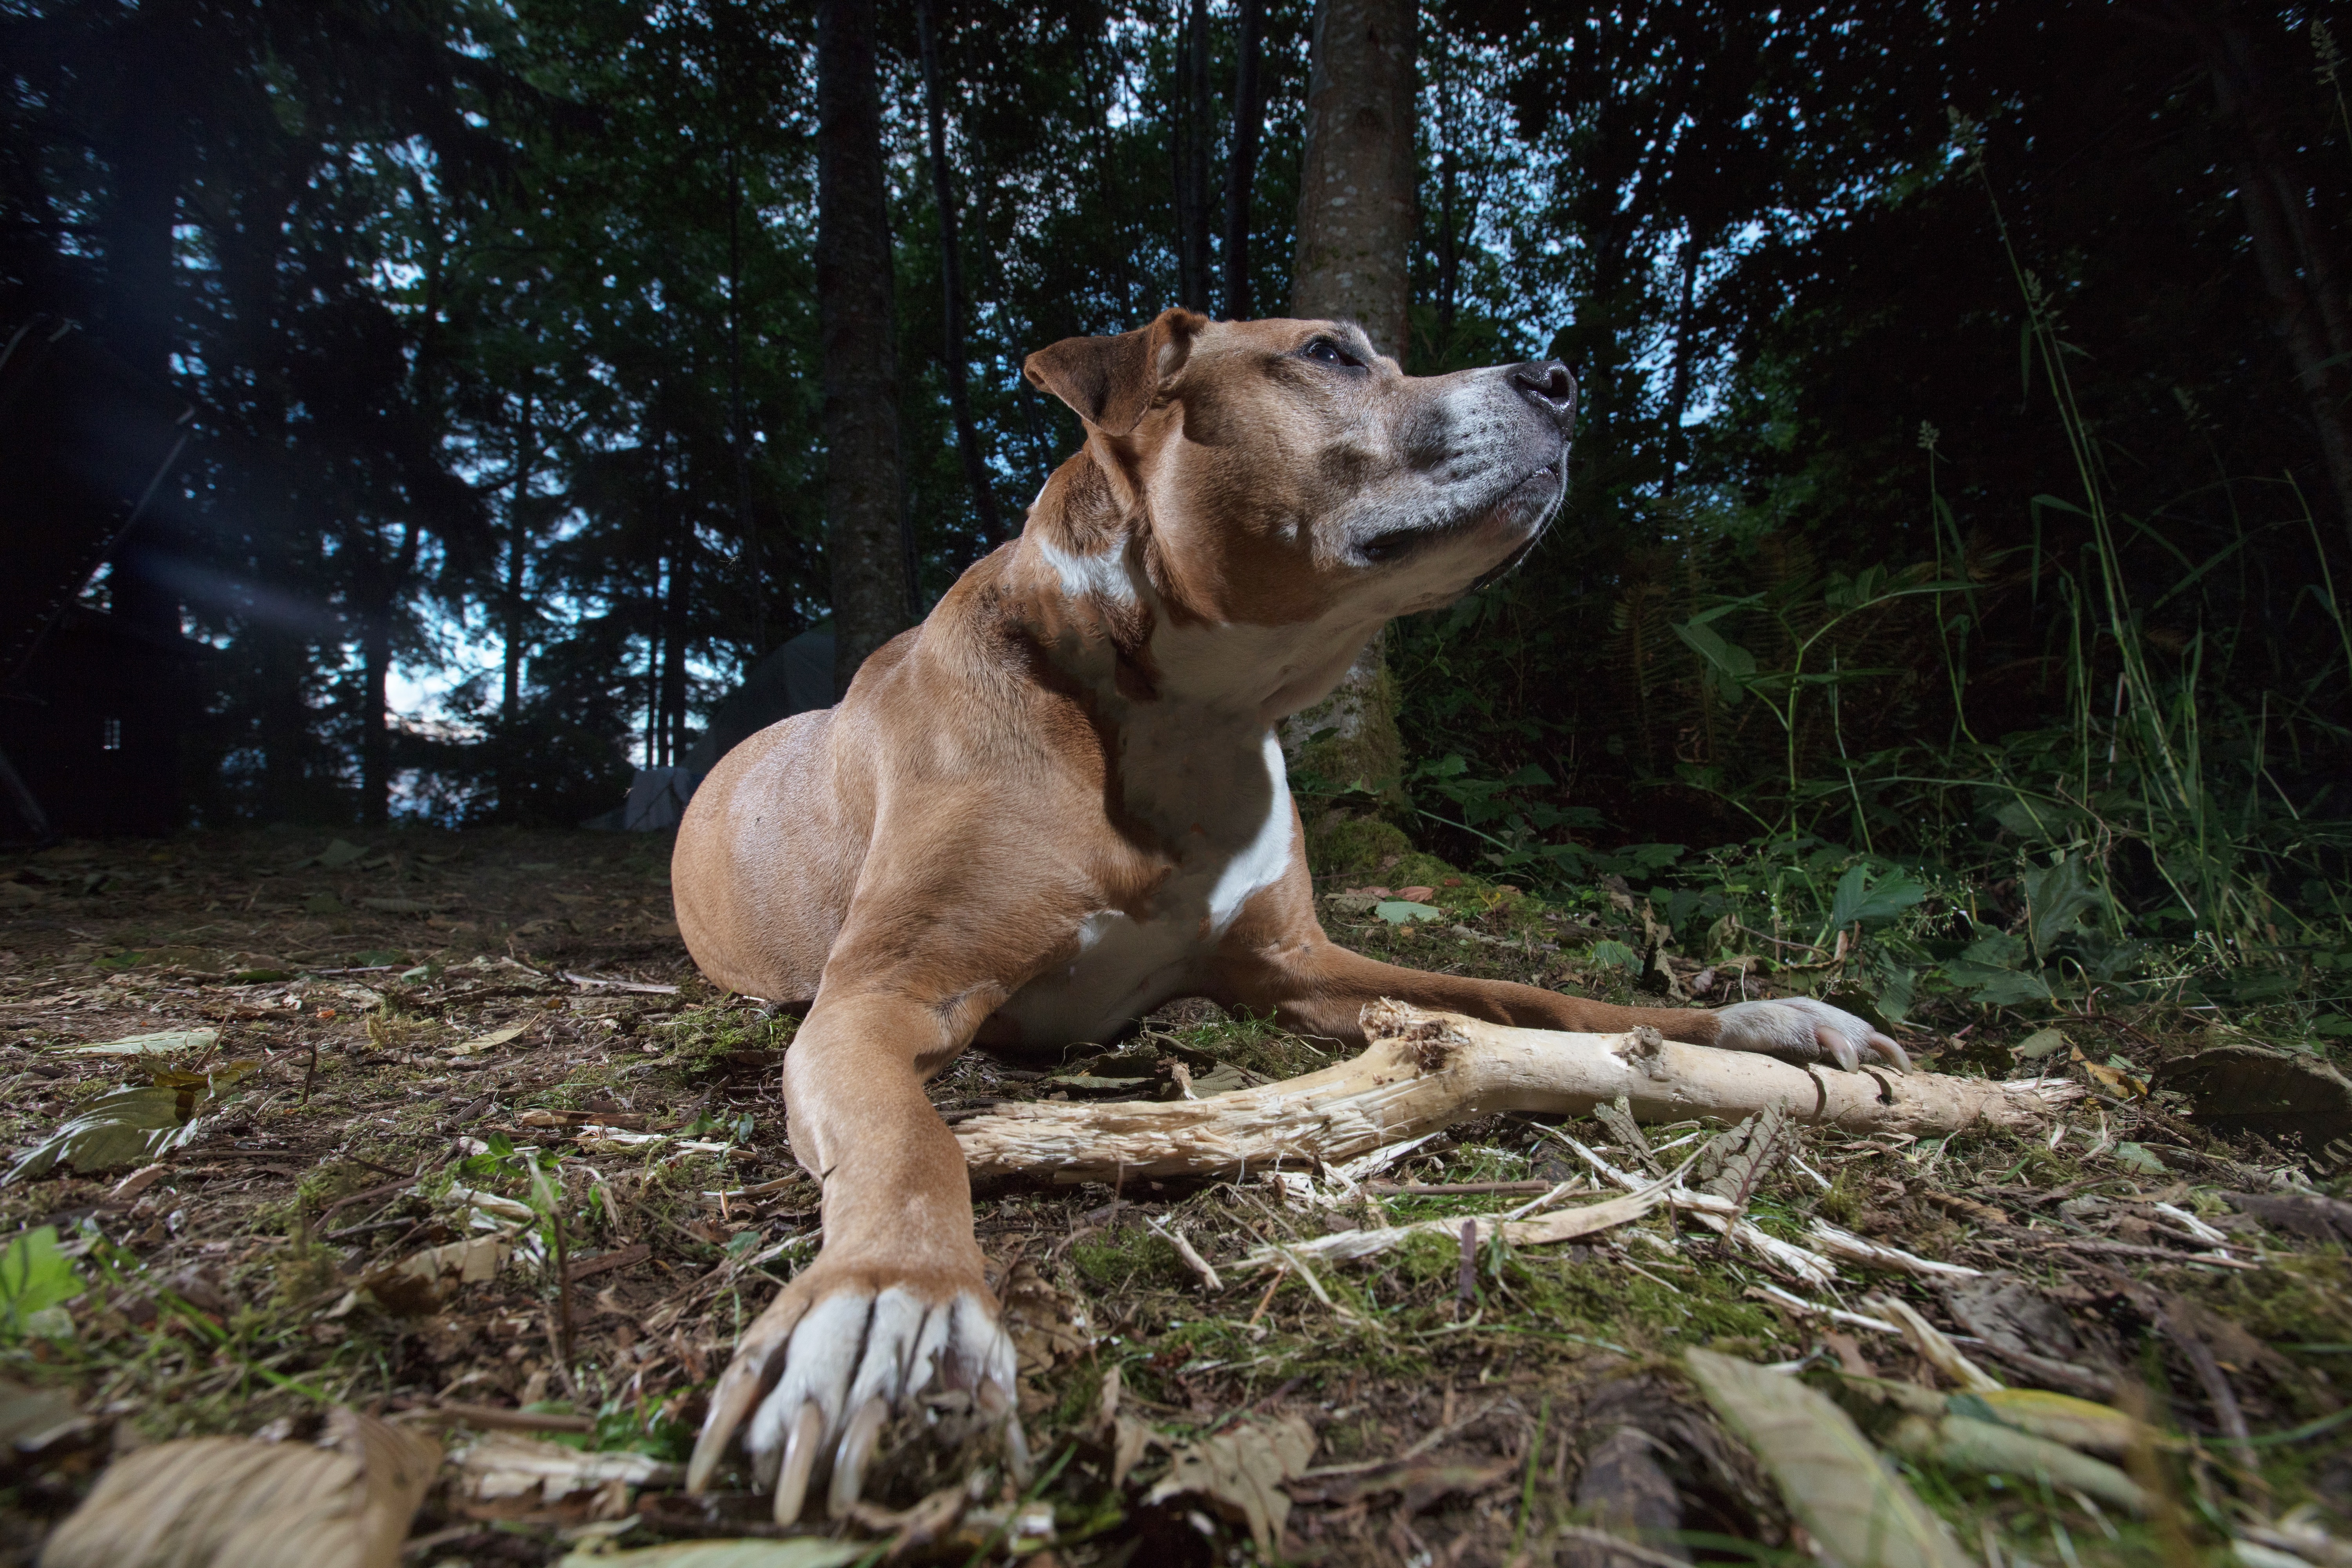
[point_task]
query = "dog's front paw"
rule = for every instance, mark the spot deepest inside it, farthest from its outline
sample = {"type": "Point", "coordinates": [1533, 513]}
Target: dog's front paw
{"type": "Point", "coordinates": [820, 1372]}
{"type": "Point", "coordinates": [1803, 1030]}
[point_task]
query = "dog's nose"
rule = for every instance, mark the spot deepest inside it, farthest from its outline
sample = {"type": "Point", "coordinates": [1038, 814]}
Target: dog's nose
{"type": "Point", "coordinates": [1548, 387]}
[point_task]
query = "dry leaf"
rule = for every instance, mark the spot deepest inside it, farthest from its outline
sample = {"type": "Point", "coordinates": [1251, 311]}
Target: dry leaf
{"type": "Point", "coordinates": [1864, 1515]}
{"type": "Point", "coordinates": [1932, 1345]}
{"type": "Point", "coordinates": [481, 1042]}
{"type": "Point", "coordinates": [158, 1045]}
{"type": "Point", "coordinates": [232, 1502]}
{"type": "Point", "coordinates": [33, 1418]}
{"type": "Point", "coordinates": [472, 1260]}
{"type": "Point", "coordinates": [1241, 1471]}
{"type": "Point", "coordinates": [2062, 1418]}
{"type": "Point", "coordinates": [798, 1551]}
{"type": "Point", "coordinates": [1962, 1443]}
{"type": "Point", "coordinates": [505, 1467]}
{"type": "Point", "coordinates": [131, 1126]}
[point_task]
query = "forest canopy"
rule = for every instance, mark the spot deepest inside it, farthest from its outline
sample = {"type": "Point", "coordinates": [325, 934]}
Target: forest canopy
{"type": "Point", "coordinates": [1964, 471]}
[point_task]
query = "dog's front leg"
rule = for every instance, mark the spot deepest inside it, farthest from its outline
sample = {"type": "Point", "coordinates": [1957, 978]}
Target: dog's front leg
{"type": "Point", "coordinates": [897, 1300]}
{"type": "Point", "coordinates": [1315, 987]}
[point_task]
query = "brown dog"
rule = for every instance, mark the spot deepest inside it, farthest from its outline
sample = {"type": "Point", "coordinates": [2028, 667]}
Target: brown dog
{"type": "Point", "coordinates": [1059, 802]}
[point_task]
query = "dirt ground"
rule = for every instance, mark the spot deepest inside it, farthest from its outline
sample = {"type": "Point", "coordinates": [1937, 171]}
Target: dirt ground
{"type": "Point", "coordinates": [452, 1134]}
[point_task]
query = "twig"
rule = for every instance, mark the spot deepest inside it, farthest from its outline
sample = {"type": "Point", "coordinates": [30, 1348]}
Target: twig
{"type": "Point", "coordinates": [2226, 1413]}
{"type": "Point", "coordinates": [1465, 1284]}
{"type": "Point", "coordinates": [637, 986]}
{"type": "Point", "coordinates": [1619, 1544]}
{"type": "Point", "coordinates": [1192, 1260]}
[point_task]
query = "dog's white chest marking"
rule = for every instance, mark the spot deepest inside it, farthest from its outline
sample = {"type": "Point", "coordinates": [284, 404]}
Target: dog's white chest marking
{"type": "Point", "coordinates": [1223, 805]}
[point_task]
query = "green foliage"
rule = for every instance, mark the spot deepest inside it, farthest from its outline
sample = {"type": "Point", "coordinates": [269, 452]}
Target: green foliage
{"type": "Point", "coordinates": [35, 1278]}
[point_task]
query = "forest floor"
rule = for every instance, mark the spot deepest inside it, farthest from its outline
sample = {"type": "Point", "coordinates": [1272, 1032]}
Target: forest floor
{"type": "Point", "coordinates": [400, 1075]}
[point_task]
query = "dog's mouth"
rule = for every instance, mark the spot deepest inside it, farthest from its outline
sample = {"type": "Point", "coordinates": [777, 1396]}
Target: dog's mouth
{"type": "Point", "coordinates": [1528, 504]}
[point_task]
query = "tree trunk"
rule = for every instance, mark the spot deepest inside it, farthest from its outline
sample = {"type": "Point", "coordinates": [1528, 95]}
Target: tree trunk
{"type": "Point", "coordinates": [375, 734]}
{"type": "Point", "coordinates": [1356, 187]}
{"type": "Point", "coordinates": [2297, 264]}
{"type": "Point", "coordinates": [147, 151]}
{"type": "Point", "coordinates": [747, 517]}
{"type": "Point", "coordinates": [1686, 365]}
{"type": "Point", "coordinates": [1355, 239]}
{"type": "Point", "coordinates": [510, 763]}
{"type": "Point", "coordinates": [1241, 172]}
{"type": "Point", "coordinates": [951, 348]}
{"type": "Point", "coordinates": [1189, 149]}
{"type": "Point", "coordinates": [865, 526]}
{"type": "Point", "coordinates": [674, 640]}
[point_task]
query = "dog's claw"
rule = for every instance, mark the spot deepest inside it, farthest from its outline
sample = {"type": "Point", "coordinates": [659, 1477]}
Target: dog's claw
{"type": "Point", "coordinates": [1804, 1029]}
{"type": "Point", "coordinates": [856, 1447]}
{"type": "Point", "coordinates": [801, 1444]}
{"type": "Point", "coordinates": [814, 1382]}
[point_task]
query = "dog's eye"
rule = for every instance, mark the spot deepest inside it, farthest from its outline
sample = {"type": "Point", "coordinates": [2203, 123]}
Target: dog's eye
{"type": "Point", "coordinates": [1323, 351]}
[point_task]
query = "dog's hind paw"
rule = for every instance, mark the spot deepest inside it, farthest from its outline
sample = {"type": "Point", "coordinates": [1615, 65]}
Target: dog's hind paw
{"type": "Point", "coordinates": [820, 1372]}
{"type": "Point", "coordinates": [1801, 1029]}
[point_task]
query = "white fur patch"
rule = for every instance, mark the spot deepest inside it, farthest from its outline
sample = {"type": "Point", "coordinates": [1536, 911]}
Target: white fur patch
{"type": "Point", "coordinates": [851, 1347]}
{"type": "Point", "coordinates": [1219, 796]}
{"type": "Point", "coordinates": [1082, 576]}
{"type": "Point", "coordinates": [1786, 1027]}
{"type": "Point", "coordinates": [1261, 864]}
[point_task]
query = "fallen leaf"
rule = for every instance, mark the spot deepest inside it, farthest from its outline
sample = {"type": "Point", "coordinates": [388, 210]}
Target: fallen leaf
{"type": "Point", "coordinates": [504, 1467]}
{"type": "Point", "coordinates": [130, 1126]}
{"type": "Point", "coordinates": [157, 1045]}
{"type": "Point", "coordinates": [481, 1042]}
{"type": "Point", "coordinates": [34, 1276]}
{"type": "Point", "coordinates": [1403, 911]}
{"type": "Point", "coordinates": [1416, 894]}
{"type": "Point", "coordinates": [2040, 1044]}
{"type": "Point", "coordinates": [2113, 1080]}
{"type": "Point", "coordinates": [1862, 1514]}
{"type": "Point", "coordinates": [1987, 1447]}
{"type": "Point", "coordinates": [33, 1418]}
{"type": "Point", "coordinates": [1241, 1471]}
{"type": "Point", "coordinates": [470, 1260]}
{"type": "Point", "coordinates": [1933, 1346]}
{"type": "Point", "coordinates": [2061, 1418]}
{"type": "Point", "coordinates": [338, 854]}
{"type": "Point", "coordinates": [233, 1503]}
{"type": "Point", "coordinates": [798, 1551]}
{"type": "Point", "coordinates": [1419, 1482]}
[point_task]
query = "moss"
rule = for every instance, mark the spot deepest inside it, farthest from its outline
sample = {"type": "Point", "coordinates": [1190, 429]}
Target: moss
{"type": "Point", "coordinates": [1342, 844]}
{"type": "Point", "coordinates": [1115, 1261]}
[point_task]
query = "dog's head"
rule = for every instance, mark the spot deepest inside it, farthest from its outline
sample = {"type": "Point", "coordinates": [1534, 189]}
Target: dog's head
{"type": "Point", "coordinates": [1277, 473]}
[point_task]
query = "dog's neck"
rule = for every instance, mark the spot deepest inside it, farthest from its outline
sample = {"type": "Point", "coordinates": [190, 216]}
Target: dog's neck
{"type": "Point", "coordinates": [1092, 586]}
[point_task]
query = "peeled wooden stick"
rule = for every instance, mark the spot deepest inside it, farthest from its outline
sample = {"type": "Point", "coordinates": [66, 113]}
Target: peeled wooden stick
{"type": "Point", "coordinates": [1426, 1071]}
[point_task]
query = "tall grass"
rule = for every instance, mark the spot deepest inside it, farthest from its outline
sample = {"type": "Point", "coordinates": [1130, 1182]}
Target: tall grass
{"type": "Point", "coordinates": [2141, 828]}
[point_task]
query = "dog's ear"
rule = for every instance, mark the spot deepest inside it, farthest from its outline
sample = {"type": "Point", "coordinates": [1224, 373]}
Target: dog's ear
{"type": "Point", "coordinates": [1109, 381]}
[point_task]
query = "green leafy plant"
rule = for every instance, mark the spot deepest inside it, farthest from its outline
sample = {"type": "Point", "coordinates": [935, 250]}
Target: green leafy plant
{"type": "Point", "coordinates": [35, 1277]}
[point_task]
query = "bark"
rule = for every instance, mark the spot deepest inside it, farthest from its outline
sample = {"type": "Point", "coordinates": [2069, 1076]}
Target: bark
{"type": "Point", "coordinates": [747, 517]}
{"type": "Point", "coordinates": [2297, 264]}
{"type": "Point", "coordinates": [510, 781]}
{"type": "Point", "coordinates": [1355, 239]}
{"type": "Point", "coordinates": [951, 351]}
{"type": "Point", "coordinates": [673, 639]}
{"type": "Point", "coordinates": [1188, 150]}
{"type": "Point", "coordinates": [1427, 1070]}
{"type": "Point", "coordinates": [1685, 361]}
{"type": "Point", "coordinates": [146, 151]}
{"type": "Point", "coordinates": [1241, 172]}
{"type": "Point", "coordinates": [1356, 184]}
{"type": "Point", "coordinates": [865, 541]}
